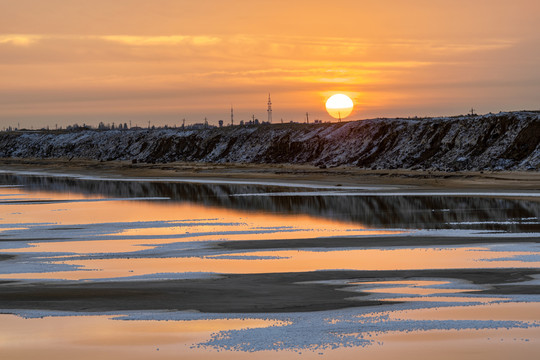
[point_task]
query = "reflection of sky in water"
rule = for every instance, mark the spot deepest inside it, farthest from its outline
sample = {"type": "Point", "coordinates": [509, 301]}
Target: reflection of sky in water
{"type": "Point", "coordinates": [165, 237]}
{"type": "Point", "coordinates": [493, 327]}
{"type": "Point", "coordinates": [281, 261]}
{"type": "Point", "coordinates": [80, 232]}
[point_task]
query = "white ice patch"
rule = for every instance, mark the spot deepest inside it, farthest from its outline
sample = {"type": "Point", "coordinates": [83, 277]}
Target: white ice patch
{"type": "Point", "coordinates": [107, 231]}
{"type": "Point", "coordinates": [245, 257]}
{"type": "Point", "coordinates": [162, 276]}
{"type": "Point", "coordinates": [311, 331]}
{"type": "Point", "coordinates": [471, 233]}
{"type": "Point", "coordinates": [386, 194]}
{"type": "Point", "coordinates": [512, 222]}
{"type": "Point", "coordinates": [521, 258]}
{"type": "Point", "coordinates": [18, 201]}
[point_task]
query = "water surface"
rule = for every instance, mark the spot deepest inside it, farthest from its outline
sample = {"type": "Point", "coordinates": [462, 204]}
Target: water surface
{"type": "Point", "coordinates": [380, 271]}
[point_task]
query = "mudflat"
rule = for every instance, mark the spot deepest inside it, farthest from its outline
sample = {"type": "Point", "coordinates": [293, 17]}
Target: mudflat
{"type": "Point", "coordinates": [368, 242]}
{"type": "Point", "coordinates": [241, 293]}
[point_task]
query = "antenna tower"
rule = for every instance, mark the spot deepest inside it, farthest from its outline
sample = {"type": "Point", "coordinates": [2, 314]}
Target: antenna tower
{"type": "Point", "coordinates": [232, 116]}
{"type": "Point", "coordinates": [269, 109]}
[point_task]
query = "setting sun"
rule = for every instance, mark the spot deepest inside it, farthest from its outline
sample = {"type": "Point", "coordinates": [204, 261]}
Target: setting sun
{"type": "Point", "coordinates": [339, 106]}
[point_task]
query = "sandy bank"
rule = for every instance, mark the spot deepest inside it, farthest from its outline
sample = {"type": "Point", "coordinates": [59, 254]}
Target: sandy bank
{"type": "Point", "coordinates": [339, 176]}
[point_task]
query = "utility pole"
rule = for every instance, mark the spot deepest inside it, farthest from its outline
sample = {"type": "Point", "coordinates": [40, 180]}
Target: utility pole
{"type": "Point", "coordinates": [339, 114]}
{"type": "Point", "coordinates": [307, 117]}
{"type": "Point", "coordinates": [232, 116]}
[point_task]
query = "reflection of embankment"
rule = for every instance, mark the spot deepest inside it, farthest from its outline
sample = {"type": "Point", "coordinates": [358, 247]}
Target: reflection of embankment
{"type": "Point", "coordinates": [421, 212]}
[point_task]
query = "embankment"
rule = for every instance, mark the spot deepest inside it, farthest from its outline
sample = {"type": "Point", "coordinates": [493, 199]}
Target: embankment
{"type": "Point", "coordinates": [504, 141]}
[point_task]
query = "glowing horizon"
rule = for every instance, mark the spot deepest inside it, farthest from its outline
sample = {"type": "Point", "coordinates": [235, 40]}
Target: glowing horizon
{"type": "Point", "coordinates": [162, 62]}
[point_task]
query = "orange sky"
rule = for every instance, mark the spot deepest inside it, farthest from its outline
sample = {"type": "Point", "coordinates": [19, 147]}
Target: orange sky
{"type": "Point", "coordinates": [67, 61]}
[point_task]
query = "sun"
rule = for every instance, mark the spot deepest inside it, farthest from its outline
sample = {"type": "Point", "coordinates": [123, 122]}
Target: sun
{"type": "Point", "coordinates": [339, 106]}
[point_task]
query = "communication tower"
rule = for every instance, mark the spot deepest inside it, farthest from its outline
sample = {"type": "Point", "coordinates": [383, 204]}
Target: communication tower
{"type": "Point", "coordinates": [269, 109]}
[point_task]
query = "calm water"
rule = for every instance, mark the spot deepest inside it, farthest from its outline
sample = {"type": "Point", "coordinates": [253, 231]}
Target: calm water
{"type": "Point", "coordinates": [421, 271]}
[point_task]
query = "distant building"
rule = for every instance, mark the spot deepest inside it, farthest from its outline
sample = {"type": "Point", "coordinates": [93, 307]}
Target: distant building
{"type": "Point", "coordinates": [197, 126]}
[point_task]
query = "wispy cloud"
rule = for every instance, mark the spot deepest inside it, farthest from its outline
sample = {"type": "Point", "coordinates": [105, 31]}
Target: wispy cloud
{"type": "Point", "coordinates": [128, 73]}
{"type": "Point", "coordinates": [31, 39]}
{"type": "Point", "coordinates": [162, 40]}
{"type": "Point", "coordinates": [19, 40]}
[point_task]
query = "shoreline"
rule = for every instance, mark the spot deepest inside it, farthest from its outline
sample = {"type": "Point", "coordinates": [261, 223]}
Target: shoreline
{"type": "Point", "coordinates": [295, 174]}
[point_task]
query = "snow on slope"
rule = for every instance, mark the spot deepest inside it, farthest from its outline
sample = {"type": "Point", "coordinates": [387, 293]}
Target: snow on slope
{"type": "Point", "coordinates": [504, 141]}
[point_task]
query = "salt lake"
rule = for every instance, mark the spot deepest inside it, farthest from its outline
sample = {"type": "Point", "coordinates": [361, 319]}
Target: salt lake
{"type": "Point", "coordinates": [176, 268]}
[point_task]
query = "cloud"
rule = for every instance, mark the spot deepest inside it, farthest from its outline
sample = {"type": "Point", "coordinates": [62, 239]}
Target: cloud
{"type": "Point", "coordinates": [162, 40]}
{"type": "Point", "coordinates": [91, 74]}
{"type": "Point", "coordinates": [19, 40]}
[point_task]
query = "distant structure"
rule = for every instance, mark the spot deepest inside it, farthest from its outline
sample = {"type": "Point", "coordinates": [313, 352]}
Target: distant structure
{"type": "Point", "coordinates": [232, 116]}
{"type": "Point", "coordinates": [254, 121]}
{"type": "Point", "coordinates": [269, 109]}
{"type": "Point", "coordinates": [307, 117]}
